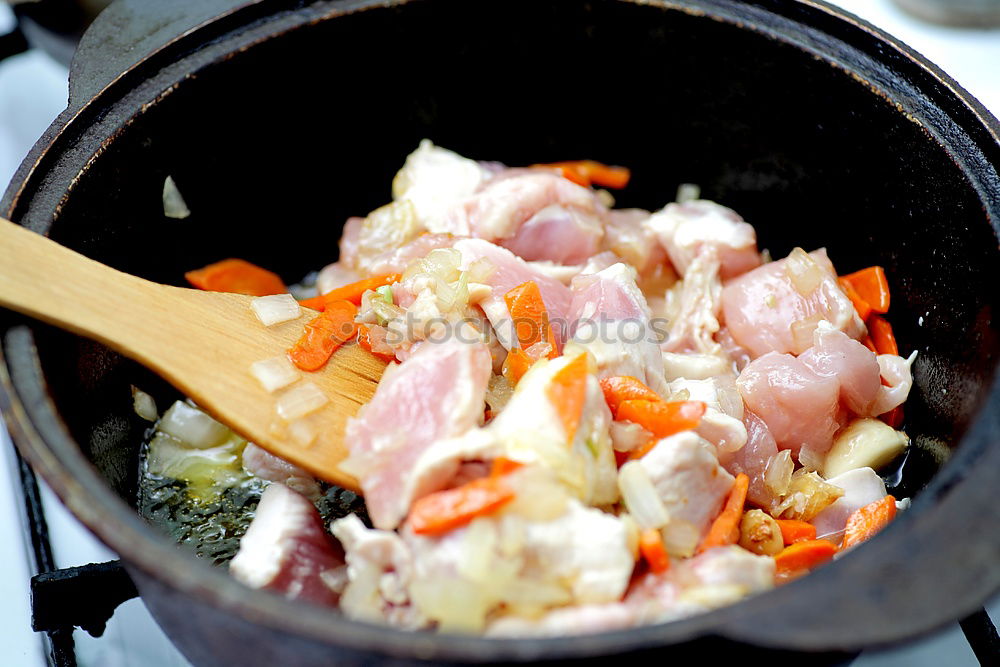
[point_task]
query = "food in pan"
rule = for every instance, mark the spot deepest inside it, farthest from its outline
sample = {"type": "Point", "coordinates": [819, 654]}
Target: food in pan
{"type": "Point", "coordinates": [592, 417]}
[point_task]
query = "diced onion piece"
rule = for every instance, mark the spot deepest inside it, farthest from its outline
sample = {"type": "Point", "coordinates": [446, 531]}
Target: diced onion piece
{"type": "Point", "coordinates": [778, 472]}
{"type": "Point", "coordinates": [626, 436]}
{"type": "Point", "coordinates": [144, 405]}
{"type": "Point", "coordinates": [302, 432]}
{"type": "Point", "coordinates": [173, 203]}
{"type": "Point", "coordinates": [865, 443]}
{"type": "Point", "coordinates": [640, 496]}
{"type": "Point", "coordinates": [803, 330]}
{"type": "Point", "coordinates": [275, 309]}
{"type": "Point", "coordinates": [680, 538]}
{"type": "Point", "coordinates": [808, 495]}
{"type": "Point", "coordinates": [480, 270]}
{"type": "Point", "coordinates": [192, 426]}
{"type": "Point", "coordinates": [274, 373]}
{"type": "Point", "coordinates": [688, 192]}
{"type": "Point", "coordinates": [301, 400]}
{"type": "Point", "coordinates": [805, 274]}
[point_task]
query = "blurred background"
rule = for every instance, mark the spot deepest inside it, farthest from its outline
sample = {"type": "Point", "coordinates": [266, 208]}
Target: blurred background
{"type": "Point", "coordinates": [37, 39]}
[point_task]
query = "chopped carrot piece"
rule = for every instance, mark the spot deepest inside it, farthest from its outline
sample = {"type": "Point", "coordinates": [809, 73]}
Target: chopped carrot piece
{"type": "Point", "coordinates": [588, 172]}
{"type": "Point", "coordinates": [502, 465]}
{"type": "Point", "coordinates": [625, 388]}
{"type": "Point", "coordinates": [352, 292]}
{"type": "Point", "coordinates": [365, 341]}
{"type": "Point", "coordinates": [793, 530]}
{"type": "Point", "coordinates": [446, 510]}
{"type": "Point", "coordinates": [863, 307]}
{"type": "Point", "coordinates": [622, 457]}
{"type": "Point", "coordinates": [872, 286]}
{"type": "Point", "coordinates": [653, 550]}
{"type": "Point", "coordinates": [726, 527]}
{"type": "Point", "coordinates": [869, 520]}
{"type": "Point", "coordinates": [530, 318]}
{"type": "Point", "coordinates": [803, 556]}
{"type": "Point", "coordinates": [323, 335]}
{"type": "Point", "coordinates": [660, 417]}
{"type": "Point", "coordinates": [568, 392]}
{"type": "Point", "coordinates": [516, 365]}
{"type": "Point", "coordinates": [881, 332]}
{"type": "Point", "coordinates": [237, 276]}
{"type": "Point", "coordinates": [869, 343]}
{"type": "Point", "coordinates": [894, 417]}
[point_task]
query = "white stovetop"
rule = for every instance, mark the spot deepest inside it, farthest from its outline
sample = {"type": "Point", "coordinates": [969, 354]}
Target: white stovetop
{"type": "Point", "coordinates": [33, 92]}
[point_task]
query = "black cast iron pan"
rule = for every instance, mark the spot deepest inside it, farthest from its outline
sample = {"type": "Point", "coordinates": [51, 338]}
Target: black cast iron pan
{"type": "Point", "coordinates": [278, 119]}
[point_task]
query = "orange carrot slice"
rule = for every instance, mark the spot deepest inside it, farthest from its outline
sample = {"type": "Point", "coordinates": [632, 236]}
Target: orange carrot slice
{"type": "Point", "coordinates": [530, 318]}
{"type": "Point", "coordinates": [793, 530]}
{"type": "Point", "coordinates": [568, 392]}
{"type": "Point", "coordinates": [653, 550]}
{"type": "Point", "coordinates": [516, 365]}
{"type": "Point", "coordinates": [881, 332]}
{"type": "Point", "coordinates": [591, 172]}
{"type": "Point", "coordinates": [863, 307]}
{"type": "Point", "coordinates": [237, 276]}
{"type": "Point", "coordinates": [323, 335]}
{"type": "Point", "coordinates": [625, 388]}
{"type": "Point", "coordinates": [725, 529]}
{"type": "Point", "coordinates": [872, 286]}
{"type": "Point", "coordinates": [660, 418]}
{"type": "Point", "coordinates": [803, 556]}
{"type": "Point", "coordinates": [869, 520]}
{"type": "Point", "coordinates": [444, 511]}
{"type": "Point", "coordinates": [352, 292]}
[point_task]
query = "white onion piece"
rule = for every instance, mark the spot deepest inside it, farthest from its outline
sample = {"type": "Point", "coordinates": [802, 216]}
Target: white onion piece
{"type": "Point", "coordinates": [640, 496]}
{"type": "Point", "coordinates": [192, 426]}
{"type": "Point", "coordinates": [626, 436]}
{"type": "Point", "coordinates": [688, 192]}
{"type": "Point", "coordinates": [144, 405]}
{"type": "Point", "coordinates": [778, 472]}
{"type": "Point", "coordinates": [301, 400]}
{"type": "Point", "coordinates": [805, 274]}
{"type": "Point", "coordinates": [274, 373]}
{"type": "Point", "coordinates": [680, 538]}
{"type": "Point", "coordinates": [896, 371]}
{"type": "Point", "coordinates": [173, 203]}
{"type": "Point", "coordinates": [275, 309]}
{"type": "Point", "coordinates": [302, 432]}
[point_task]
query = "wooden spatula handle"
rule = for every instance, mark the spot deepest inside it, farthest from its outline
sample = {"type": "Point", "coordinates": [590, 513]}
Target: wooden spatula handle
{"type": "Point", "coordinates": [40, 278]}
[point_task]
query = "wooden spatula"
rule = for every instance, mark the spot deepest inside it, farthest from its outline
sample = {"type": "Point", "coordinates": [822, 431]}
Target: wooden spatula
{"type": "Point", "coordinates": [203, 343]}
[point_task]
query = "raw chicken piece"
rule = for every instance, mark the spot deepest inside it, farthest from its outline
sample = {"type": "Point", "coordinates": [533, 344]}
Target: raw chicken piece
{"type": "Point", "coordinates": [579, 620]}
{"type": "Point", "coordinates": [379, 573]}
{"type": "Point", "coordinates": [752, 459]}
{"type": "Point", "coordinates": [397, 260]}
{"type": "Point", "coordinates": [715, 578]}
{"type": "Point", "coordinates": [349, 245]}
{"type": "Point", "coordinates": [511, 271]}
{"type": "Point", "coordinates": [437, 393]}
{"type": "Point", "coordinates": [287, 550]}
{"type": "Point", "coordinates": [798, 406]}
{"type": "Point", "coordinates": [265, 465]}
{"type": "Point", "coordinates": [685, 229]}
{"type": "Point", "coordinates": [695, 319]}
{"type": "Point", "coordinates": [853, 365]}
{"type": "Point", "coordinates": [630, 237]}
{"type": "Point", "coordinates": [610, 319]}
{"type": "Point", "coordinates": [565, 235]}
{"type": "Point", "coordinates": [777, 307]}
{"type": "Point", "coordinates": [333, 276]}
{"type": "Point", "coordinates": [688, 478]}
{"type": "Point", "coordinates": [505, 204]}
{"type": "Point", "coordinates": [434, 180]}
{"type": "Point", "coordinates": [861, 486]}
